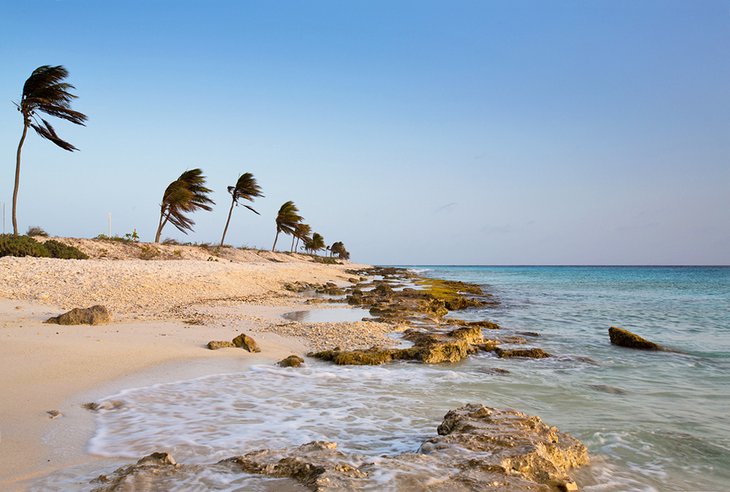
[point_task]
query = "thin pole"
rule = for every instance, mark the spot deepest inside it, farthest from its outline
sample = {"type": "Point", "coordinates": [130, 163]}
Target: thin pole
{"type": "Point", "coordinates": [110, 224]}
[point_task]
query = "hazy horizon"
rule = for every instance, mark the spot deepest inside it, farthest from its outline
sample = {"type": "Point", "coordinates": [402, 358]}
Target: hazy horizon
{"type": "Point", "coordinates": [418, 133]}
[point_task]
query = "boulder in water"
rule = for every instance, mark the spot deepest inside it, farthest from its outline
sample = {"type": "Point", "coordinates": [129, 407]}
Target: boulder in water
{"type": "Point", "coordinates": [291, 361]}
{"type": "Point", "coordinates": [625, 338]}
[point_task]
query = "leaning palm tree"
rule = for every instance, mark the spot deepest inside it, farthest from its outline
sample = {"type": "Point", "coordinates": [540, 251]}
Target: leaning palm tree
{"type": "Point", "coordinates": [286, 220]}
{"type": "Point", "coordinates": [246, 188]}
{"type": "Point", "coordinates": [44, 92]}
{"type": "Point", "coordinates": [301, 232]}
{"type": "Point", "coordinates": [317, 242]}
{"type": "Point", "coordinates": [184, 195]}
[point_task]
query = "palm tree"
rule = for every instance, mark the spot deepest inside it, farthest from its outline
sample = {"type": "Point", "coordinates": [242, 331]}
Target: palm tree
{"type": "Point", "coordinates": [338, 248]}
{"type": "Point", "coordinates": [286, 220]}
{"type": "Point", "coordinates": [184, 195]}
{"type": "Point", "coordinates": [317, 243]}
{"type": "Point", "coordinates": [44, 92]}
{"type": "Point", "coordinates": [246, 188]}
{"type": "Point", "coordinates": [302, 232]}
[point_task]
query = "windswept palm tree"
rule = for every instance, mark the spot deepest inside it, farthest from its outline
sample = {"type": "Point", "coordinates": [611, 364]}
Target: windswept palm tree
{"type": "Point", "coordinates": [286, 220]}
{"type": "Point", "coordinates": [184, 195]}
{"type": "Point", "coordinates": [338, 248]}
{"type": "Point", "coordinates": [301, 232]}
{"type": "Point", "coordinates": [316, 243]}
{"type": "Point", "coordinates": [246, 188]}
{"type": "Point", "coordinates": [44, 92]}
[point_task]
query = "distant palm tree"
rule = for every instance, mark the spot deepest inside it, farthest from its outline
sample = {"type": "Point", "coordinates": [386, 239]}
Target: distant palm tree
{"type": "Point", "coordinates": [246, 188]}
{"type": "Point", "coordinates": [317, 242]}
{"type": "Point", "coordinates": [44, 92]}
{"type": "Point", "coordinates": [302, 232]}
{"type": "Point", "coordinates": [184, 195]}
{"type": "Point", "coordinates": [286, 220]}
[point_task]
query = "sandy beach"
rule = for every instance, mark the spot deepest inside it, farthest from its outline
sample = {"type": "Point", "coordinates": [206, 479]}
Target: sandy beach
{"type": "Point", "coordinates": [164, 313]}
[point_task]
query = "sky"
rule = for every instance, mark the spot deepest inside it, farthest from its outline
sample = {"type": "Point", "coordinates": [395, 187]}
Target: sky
{"type": "Point", "coordinates": [416, 132]}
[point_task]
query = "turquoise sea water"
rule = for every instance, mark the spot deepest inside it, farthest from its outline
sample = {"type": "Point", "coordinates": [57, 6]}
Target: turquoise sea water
{"type": "Point", "coordinates": [651, 421]}
{"type": "Point", "coordinates": [660, 421]}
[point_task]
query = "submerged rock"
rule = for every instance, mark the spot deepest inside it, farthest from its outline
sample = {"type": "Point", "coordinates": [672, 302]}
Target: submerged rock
{"type": "Point", "coordinates": [534, 353]}
{"type": "Point", "coordinates": [317, 465]}
{"type": "Point", "coordinates": [291, 361]}
{"type": "Point", "coordinates": [477, 448]}
{"type": "Point", "coordinates": [94, 315]}
{"type": "Point", "coordinates": [625, 338]}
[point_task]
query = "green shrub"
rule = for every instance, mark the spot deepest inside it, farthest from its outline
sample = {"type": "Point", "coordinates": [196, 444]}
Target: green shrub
{"type": "Point", "coordinates": [36, 231]}
{"type": "Point", "coordinates": [27, 246]}
{"type": "Point", "coordinates": [64, 251]}
{"type": "Point", "coordinates": [11, 245]}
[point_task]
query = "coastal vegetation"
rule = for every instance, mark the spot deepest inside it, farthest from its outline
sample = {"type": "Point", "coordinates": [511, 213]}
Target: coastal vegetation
{"type": "Point", "coordinates": [12, 245]}
{"type": "Point", "coordinates": [246, 188]}
{"type": "Point", "coordinates": [183, 196]}
{"type": "Point", "coordinates": [47, 92]}
{"type": "Point", "coordinates": [44, 92]}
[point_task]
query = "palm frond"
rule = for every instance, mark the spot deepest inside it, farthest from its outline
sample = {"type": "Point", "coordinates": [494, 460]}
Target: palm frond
{"type": "Point", "coordinates": [45, 130]}
{"type": "Point", "coordinates": [45, 92]}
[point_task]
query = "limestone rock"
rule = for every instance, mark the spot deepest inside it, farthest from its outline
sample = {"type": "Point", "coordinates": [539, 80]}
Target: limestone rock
{"type": "Point", "coordinates": [219, 344]}
{"type": "Point", "coordinates": [291, 361]}
{"type": "Point", "coordinates": [625, 338]}
{"type": "Point", "coordinates": [534, 353]}
{"type": "Point", "coordinates": [477, 448]}
{"type": "Point", "coordinates": [246, 342]}
{"type": "Point", "coordinates": [139, 475]}
{"type": "Point", "coordinates": [94, 315]}
{"type": "Point", "coordinates": [505, 443]}
{"type": "Point", "coordinates": [317, 465]}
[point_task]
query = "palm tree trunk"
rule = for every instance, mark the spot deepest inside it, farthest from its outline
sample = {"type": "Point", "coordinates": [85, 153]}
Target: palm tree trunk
{"type": "Point", "coordinates": [17, 177]}
{"type": "Point", "coordinates": [296, 247]}
{"type": "Point", "coordinates": [293, 237]}
{"type": "Point", "coordinates": [225, 229]}
{"type": "Point", "coordinates": [160, 225]}
{"type": "Point", "coordinates": [275, 239]}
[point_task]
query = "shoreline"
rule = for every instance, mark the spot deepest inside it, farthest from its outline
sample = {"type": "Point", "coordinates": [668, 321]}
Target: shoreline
{"type": "Point", "coordinates": [164, 313]}
{"type": "Point", "coordinates": [164, 339]}
{"type": "Point", "coordinates": [62, 372]}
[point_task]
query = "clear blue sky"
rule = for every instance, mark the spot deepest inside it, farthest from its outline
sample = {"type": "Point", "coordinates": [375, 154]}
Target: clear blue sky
{"type": "Point", "coordinates": [482, 132]}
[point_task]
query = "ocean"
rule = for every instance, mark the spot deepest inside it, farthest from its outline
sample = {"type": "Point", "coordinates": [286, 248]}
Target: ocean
{"type": "Point", "coordinates": [652, 421]}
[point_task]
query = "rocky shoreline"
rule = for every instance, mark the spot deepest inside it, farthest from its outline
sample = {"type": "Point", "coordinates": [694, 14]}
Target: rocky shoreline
{"type": "Point", "coordinates": [418, 307]}
{"type": "Point", "coordinates": [476, 448]}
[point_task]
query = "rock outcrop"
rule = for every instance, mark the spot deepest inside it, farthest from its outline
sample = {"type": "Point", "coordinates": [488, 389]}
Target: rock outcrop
{"type": "Point", "coordinates": [138, 476]}
{"type": "Point", "coordinates": [428, 348]}
{"type": "Point", "coordinates": [625, 338]}
{"type": "Point", "coordinates": [94, 315]}
{"type": "Point", "coordinates": [477, 448]}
